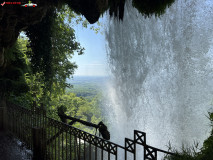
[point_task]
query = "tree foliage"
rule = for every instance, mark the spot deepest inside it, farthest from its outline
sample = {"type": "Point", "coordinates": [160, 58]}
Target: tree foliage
{"type": "Point", "coordinates": [53, 43]}
{"type": "Point", "coordinates": [47, 53]}
{"type": "Point", "coordinates": [78, 107]}
{"type": "Point", "coordinates": [12, 77]}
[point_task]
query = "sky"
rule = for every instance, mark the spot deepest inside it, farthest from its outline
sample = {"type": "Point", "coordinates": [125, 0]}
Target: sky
{"type": "Point", "coordinates": [94, 60]}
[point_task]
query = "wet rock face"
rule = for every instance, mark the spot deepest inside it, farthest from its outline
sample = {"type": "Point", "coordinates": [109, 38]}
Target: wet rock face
{"type": "Point", "coordinates": [15, 18]}
{"type": "Point", "coordinates": [91, 9]}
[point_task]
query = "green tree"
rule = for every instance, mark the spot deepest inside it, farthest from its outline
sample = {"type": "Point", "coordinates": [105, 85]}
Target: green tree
{"type": "Point", "coordinates": [78, 107]}
{"type": "Point", "coordinates": [64, 45]}
{"type": "Point", "coordinates": [12, 76]}
{"type": "Point", "coordinates": [46, 55]}
{"type": "Point", "coordinates": [53, 43]}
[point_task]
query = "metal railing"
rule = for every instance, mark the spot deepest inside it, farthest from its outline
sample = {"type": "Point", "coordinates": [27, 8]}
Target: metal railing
{"type": "Point", "coordinates": [54, 140]}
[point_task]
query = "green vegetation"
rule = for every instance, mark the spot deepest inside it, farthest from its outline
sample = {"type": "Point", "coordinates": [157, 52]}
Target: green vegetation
{"type": "Point", "coordinates": [86, 90]}
{"type": "Point", "coordinates": [37, 67]}
{"type": "Point", "coordinates": [53, 42]}
{"type": "Point", "coordinates": [12, 78]}
{"type": "Point", "coordinates": [78, 107]}
{"type": "Point", "coordinates": [39, 64]}
{"type": "Point", "coordinates": [86, 97]}
{"type": "Point", "coordinates": [205, 153]}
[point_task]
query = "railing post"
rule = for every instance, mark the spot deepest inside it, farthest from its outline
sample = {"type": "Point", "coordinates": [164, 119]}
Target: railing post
{"type": "Point", "coordinates": [39, 145]}
{"type": "Point", "coordinates": [130, 147]}
{"type": "Point", "coordinates": [44, 134]}
{"type": "Point", "coordinates": [150, 153]}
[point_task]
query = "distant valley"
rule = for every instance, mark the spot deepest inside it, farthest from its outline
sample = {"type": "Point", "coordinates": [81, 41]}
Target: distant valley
{"type": "Point", "coordinates": [87, 86]}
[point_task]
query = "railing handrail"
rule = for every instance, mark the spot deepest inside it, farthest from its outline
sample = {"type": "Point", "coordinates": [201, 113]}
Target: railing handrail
{"type": "Point", "coordinates": [108, 146]}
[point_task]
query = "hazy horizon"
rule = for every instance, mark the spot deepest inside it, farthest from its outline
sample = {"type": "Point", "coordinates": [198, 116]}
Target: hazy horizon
{"type": "Point", "coordinates": [94, 60]}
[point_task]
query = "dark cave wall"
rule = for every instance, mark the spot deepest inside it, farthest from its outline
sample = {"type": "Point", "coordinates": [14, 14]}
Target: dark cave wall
{"type": "Point", "coordinates": [14, 18]}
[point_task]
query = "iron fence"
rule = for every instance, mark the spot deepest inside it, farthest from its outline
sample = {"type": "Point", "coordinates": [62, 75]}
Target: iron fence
{"type": "Point", "coordinates": [53, 140]}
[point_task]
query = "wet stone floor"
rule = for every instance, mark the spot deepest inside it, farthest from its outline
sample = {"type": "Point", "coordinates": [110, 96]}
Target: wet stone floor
{"type": "Point", "coordinates": [12, 149]}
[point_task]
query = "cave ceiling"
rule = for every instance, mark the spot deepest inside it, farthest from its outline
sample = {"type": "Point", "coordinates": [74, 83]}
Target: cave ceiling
{"type": "Point", "coordinates": [14, 18]}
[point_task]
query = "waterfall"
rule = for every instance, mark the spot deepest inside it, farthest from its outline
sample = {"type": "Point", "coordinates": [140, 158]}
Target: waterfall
{"type": "Point", "coordinates": [162, 74]}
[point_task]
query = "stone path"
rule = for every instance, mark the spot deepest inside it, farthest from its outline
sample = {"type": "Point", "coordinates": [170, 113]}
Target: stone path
{"type": "Point", "coordinates": [11, 148]}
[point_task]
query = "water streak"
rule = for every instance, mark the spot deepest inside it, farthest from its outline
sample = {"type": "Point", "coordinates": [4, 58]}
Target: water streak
{"type": "Point", "coordinates": [162, 69]}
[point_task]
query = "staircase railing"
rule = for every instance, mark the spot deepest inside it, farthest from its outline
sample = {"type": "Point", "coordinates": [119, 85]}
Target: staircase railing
{"type": "Point", "coordinates": [54, 140]}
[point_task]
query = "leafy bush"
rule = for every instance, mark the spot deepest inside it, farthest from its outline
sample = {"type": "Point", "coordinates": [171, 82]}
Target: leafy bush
{"type": "Point", "coordinates": [205, 153]}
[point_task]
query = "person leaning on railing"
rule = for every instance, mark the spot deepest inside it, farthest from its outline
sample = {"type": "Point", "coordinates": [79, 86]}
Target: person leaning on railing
{"type": "Point", "coordinates": [100, 126]}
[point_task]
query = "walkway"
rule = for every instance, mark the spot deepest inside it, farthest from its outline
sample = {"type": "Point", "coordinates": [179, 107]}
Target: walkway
{"type": "Point", "coordinates": [12, 149]}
